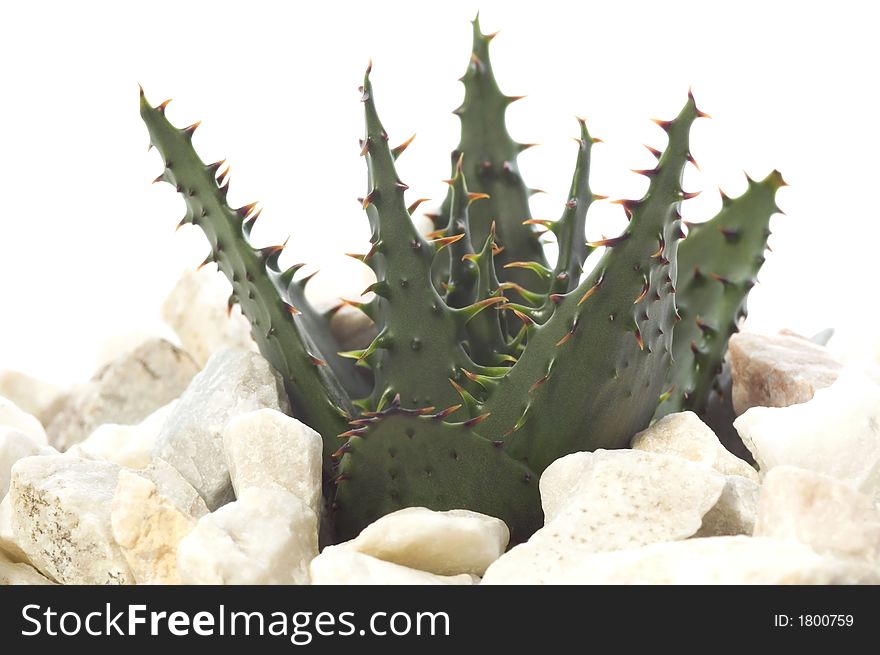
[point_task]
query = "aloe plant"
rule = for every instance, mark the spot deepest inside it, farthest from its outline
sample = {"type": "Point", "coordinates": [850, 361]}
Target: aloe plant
{"type": "Point", "coordinates": [490, 361]}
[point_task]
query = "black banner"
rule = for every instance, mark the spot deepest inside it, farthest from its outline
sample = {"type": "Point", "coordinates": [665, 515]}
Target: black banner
{"type": "Point", "coordinates": [503, 619]}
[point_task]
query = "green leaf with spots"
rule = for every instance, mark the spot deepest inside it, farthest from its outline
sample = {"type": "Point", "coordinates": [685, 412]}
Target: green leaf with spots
{"type": "Point", "coordinates": [404, 458]}
{"type": "Point", "coordinates": [718, 265]}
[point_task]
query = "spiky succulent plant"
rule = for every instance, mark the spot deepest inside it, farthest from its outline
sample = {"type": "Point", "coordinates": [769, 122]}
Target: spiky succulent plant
{"type": "Point", "coordinates": [490, 361]}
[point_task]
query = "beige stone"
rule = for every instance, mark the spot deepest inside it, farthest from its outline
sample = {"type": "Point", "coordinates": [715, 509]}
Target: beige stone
{"type": "Point", "coordinates": [609, 500]}
{"type": "Point", "coordinates": [735, 511]}
{"type": "Point", "coordinates": [828, 515]}
{"type": "Point", "coordinates": [267, 536]}
{"type": "Point", "coordinates": [714, 560]}
{"type": "Point", "coordinates": [197, 312]}
{"type": "Point", "coordinates": [39, 398]}
{"type": "Point", "coordinates": [337, 565]}
{"type": "Point", "coordinates": [60, 518]}
{"type": "Point", "coordinates": [233, 382]}
{"type": "Point", "coordinates": [148, 528]}
{"type": "Point", "coordinates": [837, 433]}
{"type": "Point", "coordinates": [777, 370]}
{"type": "Point", "coordinates": [16, 573]}
{"type": "Point", "coordinates": [266, 448]}
{"type": "Point", "coordinates": [444, 543]}
{"type": "Point", "coordinates": [685, 435]}
{"type": "Point", "coordinates": [124, 392]}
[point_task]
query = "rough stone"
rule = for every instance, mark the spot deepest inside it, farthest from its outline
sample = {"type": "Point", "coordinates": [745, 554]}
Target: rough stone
{"type": "Point", "coordinates": [685, 435]}
{"type": "Point", "coordinates": [12, 416]}
{"type": "Point", "coordinates": [267, 536]}
{"type": "Point", "coordinates": [15, 573]}
{"type": "Point", "coordinates": [266, 448]}
{"type": "Point", "coordinates": [14, 445]}
{"type": "Point", "coordinates": [609, 500]}
{"type": "Point", "coordinates": [444, 543]}
{"type": "Point", "coordinates": [837, 433]}
{"type": "Point", "coordinates": [714, 560]}
{"type": "Point", "coordinates": [36, 397]}
{"type": "Point", "coordinates": [197, 312]}
{"type": "Point", "coordinates": [339, 565]}
{"type": "Point", "coordinates": [8, 546]}
{"type": "Point", "coordinates": [174, 488]}
{"type": "Point", "coordinates": [232, 383]}
{"type": "Point", "coordinates": [125, 391]}
{"type": "Point", "coordinates": [127, 445]}
{"type": "Point", "coordinates": [777, 370]}
{"type": "Point", "coordinates": [735, 511]}
{"type": "Point", "coordinates": [61, 519]}
{"type": "Point", "coordinates": [148, 527]}
{"type": "Point", "coordinates": [829, 516]}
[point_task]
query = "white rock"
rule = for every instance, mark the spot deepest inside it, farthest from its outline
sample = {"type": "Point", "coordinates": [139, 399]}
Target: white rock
{"type": "Point", "coordinates": [735, 511]}
{"type": "Point", "coordinates": [352, 328]}
{"type": "Point", "coordinates": [445, 543]}
{"type": "Point", "coordinates": [148, 527]}
{"type": "Point", "coordinates": [61, 519]}
{"type": "Point", "coordinates": [13, 573]}
{"type": "Point", "coordinates": [828, 515]}
{"type": "Point", "coordinates": [12, 416]}
{"type": "Point", "coordinates": [36, 397]}
{"type": "Point", "coordinates": [340, 565]}
{"type": "Point", "coordinates": [836, 433]}
{"type": "Point", "coordinates": [778, 370]}
{"type": "Point", "coordinates": [7, 537]}
{"type": "Point", "coordinates": [609, 500]}
{"type": "Point", "coordinates": [714, 560]}
{"type": "Point", "coordinates": [174, 488]}
{"type": "Point", "coordinates": [117, 345]}
{"type": "Point", "coordinates": [685, 435]}
{"type": "Point", "coordinates": [267, 536]}
{"type": "Point", "coordinates": [127, 445]}
{"type": "Point", "coordinates": [232, 383]}
{"type": "Point", "coordinates": [197, 311]}
{"type": "Point", "coordinates": [266, 448]}
{"type": "Point", "coordinates": [125, 391]}
{"type": "Point", "coordinates": [14, 445]}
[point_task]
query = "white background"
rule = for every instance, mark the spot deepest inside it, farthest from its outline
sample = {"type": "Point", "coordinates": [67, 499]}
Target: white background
{"type": "Point", "coordinates": [88, 249]}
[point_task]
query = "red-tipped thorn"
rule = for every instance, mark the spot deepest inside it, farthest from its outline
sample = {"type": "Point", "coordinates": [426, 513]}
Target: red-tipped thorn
{"type": "Point", "coordinates": [543, 222]}
{"type": "Point", "coordinates": [653, 151]}
{"type": "Point", "coordinates": [644, 292]}
{"type": "Point", "coordinates": [441, 415]}
{"type": "Point", "coordinates": [473, 197]}
{"type": "Point", "coordinates": [593, 289]}
{"type": "Point", "coordinates": [208, 260]}
{"type": "Point", "coordinates": [245, 210]}
{"type": "Point", "coordinates": [608, 243]}
{"type": "Point", "coordinates": [442, 242]}
{"type": "Point", "coordinates": [476, 420]}
{"type": "Point", "coordinates": [538, 383]}
{"type": "Point", "coordinates": [403, 146]}
{"type": "Point", "coordinates": [639, 339]}
{"type": "Point", "coordinates": [416, 204]}
{"type": "Point", "coordinates": [525, 318]}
